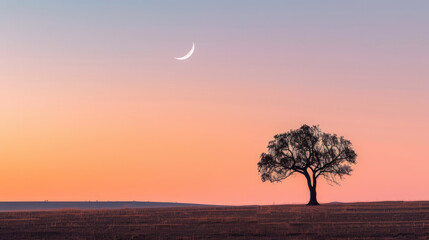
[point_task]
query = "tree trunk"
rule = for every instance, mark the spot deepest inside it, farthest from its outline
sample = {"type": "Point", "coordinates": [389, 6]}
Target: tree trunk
{"type": "Point", "coordinates": [313, 197]}
{"type": "Point", "coordinates": [312, 188]}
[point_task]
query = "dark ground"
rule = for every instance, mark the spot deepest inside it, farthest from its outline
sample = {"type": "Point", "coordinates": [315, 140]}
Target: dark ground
{"type": "Point", "coordinates": [379, 220]}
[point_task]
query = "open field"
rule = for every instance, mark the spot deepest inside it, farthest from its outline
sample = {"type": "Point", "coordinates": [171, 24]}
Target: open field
{"type": "Point", "coordinates": [378, 220]}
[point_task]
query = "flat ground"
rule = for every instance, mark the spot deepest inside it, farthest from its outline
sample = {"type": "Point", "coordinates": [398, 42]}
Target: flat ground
{"type": "Point", "coordinates": [379, 220]}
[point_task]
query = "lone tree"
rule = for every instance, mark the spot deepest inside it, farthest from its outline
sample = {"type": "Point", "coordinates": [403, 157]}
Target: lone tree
{"type": "Point", "coordinates": [310, 152]}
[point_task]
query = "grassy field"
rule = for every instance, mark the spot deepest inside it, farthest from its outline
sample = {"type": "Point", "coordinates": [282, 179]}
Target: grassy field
{"type": "Point", "coordinates": [378, 220]}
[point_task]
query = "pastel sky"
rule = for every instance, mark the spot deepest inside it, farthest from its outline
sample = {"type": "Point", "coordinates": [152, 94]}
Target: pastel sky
{"type": "Point", "coordinates": [93, 105]}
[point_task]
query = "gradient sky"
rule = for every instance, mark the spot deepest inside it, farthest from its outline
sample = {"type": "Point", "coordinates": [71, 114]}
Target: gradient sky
{"type": "Point", "coordinates": [93, 105]}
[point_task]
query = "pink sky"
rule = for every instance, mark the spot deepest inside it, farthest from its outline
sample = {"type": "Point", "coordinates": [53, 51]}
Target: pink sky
{"type": "Point", "coordinates": [94, 106]}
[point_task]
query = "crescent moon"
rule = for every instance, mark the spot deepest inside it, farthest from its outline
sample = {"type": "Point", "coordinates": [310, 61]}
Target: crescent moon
{"type": "Point", "coordinates": [189, 54]}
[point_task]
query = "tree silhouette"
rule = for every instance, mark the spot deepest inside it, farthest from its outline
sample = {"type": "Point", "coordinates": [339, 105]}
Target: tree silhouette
{"type": "Point", "coordinates": [310, 152]}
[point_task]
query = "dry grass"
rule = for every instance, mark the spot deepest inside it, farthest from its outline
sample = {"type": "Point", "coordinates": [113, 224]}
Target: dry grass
{"type": "Point", "coordinates": [381, 220]}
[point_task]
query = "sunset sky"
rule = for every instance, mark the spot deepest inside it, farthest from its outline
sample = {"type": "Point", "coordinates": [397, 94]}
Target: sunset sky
{"type": "Point", "coordinates": [93, 105]}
